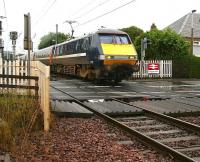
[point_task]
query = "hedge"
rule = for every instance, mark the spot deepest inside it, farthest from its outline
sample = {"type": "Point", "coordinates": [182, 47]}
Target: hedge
{"type": "Point", "coordinates": [186, 67]}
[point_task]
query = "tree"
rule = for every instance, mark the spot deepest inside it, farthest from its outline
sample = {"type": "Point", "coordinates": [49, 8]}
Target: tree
{"type": "Point", "coordinates": [165, 44]}
{"type": "Point", "coordinates": [153, 26]}
{"type": "Point", "coordinates": [133, 32]}
{"type": "Point", "coordinates": [50, 39]}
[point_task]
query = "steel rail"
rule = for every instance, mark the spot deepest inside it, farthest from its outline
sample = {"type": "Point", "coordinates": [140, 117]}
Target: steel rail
{"type": "Point", "coordinates": [177, 122]}
{"type": "Point", "coordinates": [143, 138]}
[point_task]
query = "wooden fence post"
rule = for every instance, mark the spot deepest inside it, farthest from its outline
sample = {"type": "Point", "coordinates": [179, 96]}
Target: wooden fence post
{"type": "Point", "coordinates": [46, 100]}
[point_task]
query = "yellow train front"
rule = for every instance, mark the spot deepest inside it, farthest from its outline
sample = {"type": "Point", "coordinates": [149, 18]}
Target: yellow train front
{"type": "Point", "coordinates": [113, 55]}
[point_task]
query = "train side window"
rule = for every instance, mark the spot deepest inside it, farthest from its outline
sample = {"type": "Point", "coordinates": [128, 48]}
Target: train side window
{"type": "Point", "coordinates": [74, 47]}
{"type": "Point", "coordinates": [89, 40]}
{"type": "Point", "coordinates": [60, 50]}
{"type": "Point", "coordinates": [65, 49]}
{"type": "Point", "coordinates": [69, 48]}
{"type": "Point", "coordinates": [81, 45]}
{"type": "Point", "coordinates": [85, 45]}
{"type": "Point", "coordinates": [53, 51]}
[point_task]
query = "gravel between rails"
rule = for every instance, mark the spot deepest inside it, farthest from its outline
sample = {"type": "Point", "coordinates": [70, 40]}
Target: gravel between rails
{"type": "Point", "coordinates": [84, 140]}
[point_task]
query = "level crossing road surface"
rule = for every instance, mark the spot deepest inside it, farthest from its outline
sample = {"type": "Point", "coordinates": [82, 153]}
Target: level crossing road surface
{"type": "Point", "coordinates": [165, 96]}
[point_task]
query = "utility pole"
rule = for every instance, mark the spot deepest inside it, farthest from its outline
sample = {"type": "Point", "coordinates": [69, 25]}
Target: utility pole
{"type": "Point", "coordinates": [192, 32]}
{"type": "Point", "coordinates": [27, 40]}
{"type": "Point", "coordinates": [70, 22]}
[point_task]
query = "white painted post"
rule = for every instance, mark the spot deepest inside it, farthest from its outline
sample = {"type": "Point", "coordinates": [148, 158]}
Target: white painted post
{"type": "Point", "coordinates": [161, 68]}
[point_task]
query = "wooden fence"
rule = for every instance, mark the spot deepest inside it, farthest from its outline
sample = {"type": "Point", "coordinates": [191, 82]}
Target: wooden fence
{"type": "Point", "coordinates": [13, 74]}
{"type": "Point", "coordinates": [165, 69]}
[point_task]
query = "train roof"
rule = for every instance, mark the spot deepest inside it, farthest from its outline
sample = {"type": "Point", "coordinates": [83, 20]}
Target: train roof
{"type": "Point", "coordinates": [110, 31]}
{"type": "Point", "coordinates": [100, 31]}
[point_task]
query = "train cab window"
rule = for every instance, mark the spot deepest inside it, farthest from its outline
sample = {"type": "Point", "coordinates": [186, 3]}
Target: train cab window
{"type": "Point", "coordinates": [114, 39]}
{"type": "Point", "coordinates": [106, 39]}
{"type": "Point", "coordinates": [122, 39]}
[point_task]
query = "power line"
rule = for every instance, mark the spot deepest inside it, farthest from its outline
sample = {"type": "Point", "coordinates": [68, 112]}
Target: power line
{"type": "Point", "coordinates": [43, 8]}
{"type": "Point", "coordinates": [47, 10]}
{"type": "Point", "coordinates": [93, 19]}
{"type": "Point", "coordinates": [92, 9]}
{"type": "Point", "coordinates": [83, 7]}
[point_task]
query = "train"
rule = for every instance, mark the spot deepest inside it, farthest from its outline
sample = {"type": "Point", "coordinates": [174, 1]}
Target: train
{"type": "Point", "coordinates": [107, 54]}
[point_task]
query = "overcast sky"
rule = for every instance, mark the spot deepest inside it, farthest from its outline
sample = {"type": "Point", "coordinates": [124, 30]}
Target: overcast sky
{"type": "Point", "coordinates": [45, 14]}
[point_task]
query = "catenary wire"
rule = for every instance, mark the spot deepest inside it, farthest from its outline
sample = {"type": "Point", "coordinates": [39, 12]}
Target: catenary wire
{"type": "Point", "coordinates": [93, 19]}
{"type": "Point", "coordinates": [43, 8]}
{"type": "Point", "coordinates": [92, 9]}
{"type": "Point", "coordinates": [47, 10]}
{"type": "Point", "coordinates": [82, 8]}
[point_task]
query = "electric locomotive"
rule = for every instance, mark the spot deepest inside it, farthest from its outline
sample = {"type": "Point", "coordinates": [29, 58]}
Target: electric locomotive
{"type": "Point", "coordinates": [104, 55]}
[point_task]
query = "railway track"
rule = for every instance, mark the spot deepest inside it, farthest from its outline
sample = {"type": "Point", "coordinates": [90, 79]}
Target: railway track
{"type": "Point", "coordinates": [175, 137]}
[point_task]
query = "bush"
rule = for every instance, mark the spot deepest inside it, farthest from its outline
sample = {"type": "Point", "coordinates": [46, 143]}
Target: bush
{"type": "Point", "coordinates": [186, 67]}
{"type": "Point", "coordinates": [165, 45]}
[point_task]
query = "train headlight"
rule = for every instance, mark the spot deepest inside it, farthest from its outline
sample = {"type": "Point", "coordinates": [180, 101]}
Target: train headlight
{"type": "Point", "coordinates": [132, 57]}
{"type": "Point", "coordinates": [109, 57]}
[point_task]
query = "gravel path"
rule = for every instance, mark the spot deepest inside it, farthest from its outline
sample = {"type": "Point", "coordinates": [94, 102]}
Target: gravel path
{"type": "Point", "coordinates": [83, 140]}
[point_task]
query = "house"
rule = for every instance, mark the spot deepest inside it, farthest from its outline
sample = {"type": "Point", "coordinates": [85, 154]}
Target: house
{"type": "Point", "coordinates": [183, 26]}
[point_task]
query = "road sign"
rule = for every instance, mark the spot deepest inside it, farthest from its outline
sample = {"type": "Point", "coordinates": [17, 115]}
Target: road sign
{"type": "Point", "coordinates": [153, 68]}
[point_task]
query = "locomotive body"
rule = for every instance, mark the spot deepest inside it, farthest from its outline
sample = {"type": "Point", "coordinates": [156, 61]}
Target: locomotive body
{"type": "Point", "coordinates": [105, 54]}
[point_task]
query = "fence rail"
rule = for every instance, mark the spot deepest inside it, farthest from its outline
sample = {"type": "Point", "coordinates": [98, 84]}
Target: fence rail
{"type": "Point", "coordinates": [13, 74]}
{"type": "Point", "coordinates": [165, 69]}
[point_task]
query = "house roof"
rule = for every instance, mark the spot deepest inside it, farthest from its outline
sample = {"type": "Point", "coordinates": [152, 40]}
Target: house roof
{"type": "Point", "coordinates": [184, 24]}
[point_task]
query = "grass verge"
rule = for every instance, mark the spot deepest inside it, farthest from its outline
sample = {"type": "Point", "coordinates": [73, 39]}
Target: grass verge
{"type": "Point", "coordinates": [18, 116]}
